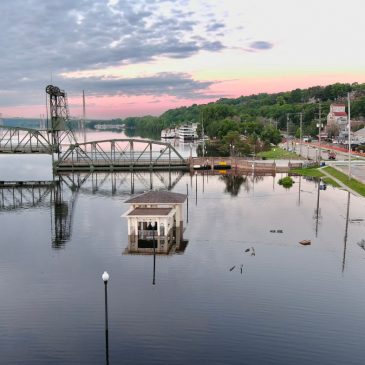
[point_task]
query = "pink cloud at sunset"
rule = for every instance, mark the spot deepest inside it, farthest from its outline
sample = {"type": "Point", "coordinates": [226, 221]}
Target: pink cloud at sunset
{"type": "Point", "coordinates": [144, 57]}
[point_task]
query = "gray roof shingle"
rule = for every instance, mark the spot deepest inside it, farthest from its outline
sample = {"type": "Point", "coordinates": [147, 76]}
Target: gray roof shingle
{"type": "Point", "coordinates": [158, 197]}
{"type": "Point", "coordinates": [150, 211]}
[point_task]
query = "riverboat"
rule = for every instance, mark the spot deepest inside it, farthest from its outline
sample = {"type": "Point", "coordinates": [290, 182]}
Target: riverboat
{"type": "Point", "coordinates": [188, 133]}
{"type": "Point", "coordinates": [168, 133]}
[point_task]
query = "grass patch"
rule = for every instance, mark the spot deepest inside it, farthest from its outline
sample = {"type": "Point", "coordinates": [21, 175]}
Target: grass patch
{"type": "Point", "coordinates": [277, 153]}
{"type": "Point", "coordinates": [308, 171]}
{"type": "Point", "coordinates": [287, 182]}
{"type": "Point", "coordinates": [330, 181]}
{"type": "Point", "coordinates": [351, 183]}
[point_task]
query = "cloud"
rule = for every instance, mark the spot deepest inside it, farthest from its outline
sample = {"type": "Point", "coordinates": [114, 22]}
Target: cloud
{"type": "Point", "coordinates": [45, 40]}
{"type": "Point", "coordinates": [261, 45]}
{"type": "Point", "coordinates": [178, 85]}
{"type": "Point", "coordinates": [215, 27]}
{"type": "Point", "coordinates": [43, 37]}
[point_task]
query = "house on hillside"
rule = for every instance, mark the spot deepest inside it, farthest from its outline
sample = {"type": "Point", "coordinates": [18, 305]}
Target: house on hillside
{"type": "Point", "coordinates": [337, 119]}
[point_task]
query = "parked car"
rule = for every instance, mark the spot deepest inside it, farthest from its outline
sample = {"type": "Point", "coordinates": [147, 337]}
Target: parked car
{"type": "Point", "coordinates": [331, 155]}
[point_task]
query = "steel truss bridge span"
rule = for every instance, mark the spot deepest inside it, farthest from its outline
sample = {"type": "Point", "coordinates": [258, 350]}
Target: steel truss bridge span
{"type": "Point", "coordinates": [121, 154]}
{"type": "Point", "coordinates": [24, 140]}
{"type": "Point", "coordinates": [28, 140]}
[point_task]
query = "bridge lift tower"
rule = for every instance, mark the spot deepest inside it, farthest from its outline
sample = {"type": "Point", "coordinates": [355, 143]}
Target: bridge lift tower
{"type": "Point", "coordinates": [59, 117]}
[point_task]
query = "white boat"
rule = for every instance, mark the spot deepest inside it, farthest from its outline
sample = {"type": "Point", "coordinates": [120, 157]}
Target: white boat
{"type": "Point", "coordinates": [168, 133]}
{"type": "Point", "coordinates": [187, 133]}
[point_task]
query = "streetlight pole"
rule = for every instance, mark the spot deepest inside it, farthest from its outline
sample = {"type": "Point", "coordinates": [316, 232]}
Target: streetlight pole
{"type": "Point", "coordinates": [349, 127]}
{"type": "Point", "coordinates": [319, 125]}
{"type": "Point", "coordinates": [301, 133]}
{"type": "Point", "coordinates": [153, 228]}
{"type": "Point", "coordinates": [187, 203]}
{"type": "Point", "coordinates": [154, 254]}
{"type": "Point", "coordinates": [287, 132]}
{"type": "Point", "coordinates": [196, 187]}
{"type": "Point", "coordinates": [105, 278]}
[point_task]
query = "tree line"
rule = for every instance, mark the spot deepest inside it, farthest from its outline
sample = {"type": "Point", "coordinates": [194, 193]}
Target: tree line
{"type": "Point", "coordinates": [259, 117]}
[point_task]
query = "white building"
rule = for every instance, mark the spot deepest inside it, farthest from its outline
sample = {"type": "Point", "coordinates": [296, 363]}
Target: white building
{"type": "Point", "coordinates": [155, 222]}
{"type": "Point", "coordinates": [337, 116]}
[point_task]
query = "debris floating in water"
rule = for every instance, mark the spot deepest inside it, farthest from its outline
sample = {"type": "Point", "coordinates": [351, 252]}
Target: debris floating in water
{"type": "Point", "coordinates": [241, 268]}
{"type": "Point", "coordinates": [232, 268]}
{"type": "Point", "coordinates": [247, 250]}
{"type": "Point", "coordinates": [362, 244]}
{"type": "Point", "coordinates": [253, 253]}
{"type": "Point", "coordinates": [276, 231]}
{"type": "Point", "coordinates": [305, 242]}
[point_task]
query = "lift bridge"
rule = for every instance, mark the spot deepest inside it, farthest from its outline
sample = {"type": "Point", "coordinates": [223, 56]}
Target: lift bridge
{"type": "Point", "coordinates": [45, 141]}
{"type": "Point", "coordinates": [105, 155]}
{"type": "Point", "coordinates": [60, 195]}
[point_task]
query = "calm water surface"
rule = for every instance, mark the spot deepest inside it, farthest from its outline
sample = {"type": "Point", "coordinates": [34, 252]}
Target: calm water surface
{"type": "Point", "coordinates": [291, 304]}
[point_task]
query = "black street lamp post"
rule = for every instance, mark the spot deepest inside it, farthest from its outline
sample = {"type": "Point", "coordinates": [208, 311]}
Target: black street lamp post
{"type": "Point", "coordinates": [105, 278]}
{"type": "Point", "coordinates": [153, 228]}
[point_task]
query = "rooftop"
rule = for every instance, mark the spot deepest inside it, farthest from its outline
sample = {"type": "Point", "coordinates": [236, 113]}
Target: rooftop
{"type": "Point", "coordinates": [150, 211]}
{"type": "Point", "coordinates": [158, 197]}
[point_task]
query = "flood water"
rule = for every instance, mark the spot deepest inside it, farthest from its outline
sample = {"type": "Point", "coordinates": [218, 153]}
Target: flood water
{"type": "Point", "coordinates": [290, 304]}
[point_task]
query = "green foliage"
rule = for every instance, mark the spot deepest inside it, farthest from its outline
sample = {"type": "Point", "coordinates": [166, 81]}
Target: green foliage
{"type": "Point", "coordinates": [277, 153]}
{"type": "Point", "coordinates": [251, 115]}
{"type": "Point", "coordinates": [270, 135]}
{"type": "Point", "coordinates": [287, 182]}
{"type": "Point", "coordinates": [351, 183]}
{"type": "Point", "coordinates": [308, 171]}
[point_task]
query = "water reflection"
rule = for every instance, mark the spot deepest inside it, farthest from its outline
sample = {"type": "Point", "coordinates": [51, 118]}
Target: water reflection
{"type": "Point", "coordinates": [60, 195]}
{"type": "Point", "coordinates": [233, 183]}
{"type": "Point", "coordinates": [32, 194]}
{"type": "Point", "coordinates": [346, 232]}
{"type": "Point", "coordinates": [317, 211]}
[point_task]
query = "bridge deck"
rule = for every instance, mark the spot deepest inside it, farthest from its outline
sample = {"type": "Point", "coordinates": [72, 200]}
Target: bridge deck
{"type": "Point", "coordinates": [125, 165]}
{"type": "Point", "coordinates": [25, 184]}
{"type": "Point", "coordinates": [26, 149]}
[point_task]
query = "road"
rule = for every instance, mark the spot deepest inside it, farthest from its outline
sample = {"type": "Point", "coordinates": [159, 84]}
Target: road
{"type": "Point", "coordinates": [312, 152]}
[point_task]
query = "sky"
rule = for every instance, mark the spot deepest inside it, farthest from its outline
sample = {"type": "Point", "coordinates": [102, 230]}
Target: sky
{"type": "Point", "coordinates": [143, 57]}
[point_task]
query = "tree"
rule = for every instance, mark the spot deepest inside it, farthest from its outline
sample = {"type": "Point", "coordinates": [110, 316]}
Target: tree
{"type": "Point", "coordinates": [333, 130]}
{"type": "Point", "coordinates": [270, 135]}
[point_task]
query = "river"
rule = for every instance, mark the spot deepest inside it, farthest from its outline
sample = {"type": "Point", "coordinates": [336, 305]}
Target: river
{"type": "Point", "coordinates": [212, 302]}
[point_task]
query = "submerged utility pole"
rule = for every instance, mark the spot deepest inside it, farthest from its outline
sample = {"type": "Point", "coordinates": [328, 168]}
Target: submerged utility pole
{"type": "Point", "coordinates": [301, 134]}
{"type": "Point", "coordinates": [287, 132]}
{"type": "Point", "coordinates": [83, 116]}
{"type": "Point", "coordinates": [319, 125]}
{"type": "Point", "coordinates": [349, 131]}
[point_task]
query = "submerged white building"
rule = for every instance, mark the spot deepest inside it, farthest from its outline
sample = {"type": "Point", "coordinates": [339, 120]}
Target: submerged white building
{"type": "Point", "coordinates": [155, 222]}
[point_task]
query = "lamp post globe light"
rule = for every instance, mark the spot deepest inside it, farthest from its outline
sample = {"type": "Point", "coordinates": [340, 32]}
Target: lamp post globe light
{"type": "Point", "coordinates": [105, 278]}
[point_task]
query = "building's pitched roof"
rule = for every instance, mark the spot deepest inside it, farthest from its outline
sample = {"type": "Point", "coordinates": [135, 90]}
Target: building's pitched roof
{"type": "Point", "coordinates": [150, 211]}
{"type": "Point", "coordinates": [158, 197]}
{"type": "Point", "coordinates": [360, 132]}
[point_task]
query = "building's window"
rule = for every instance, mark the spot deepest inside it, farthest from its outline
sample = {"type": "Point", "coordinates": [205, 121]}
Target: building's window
{"type": "Point", "coordinates": [162, 229]}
